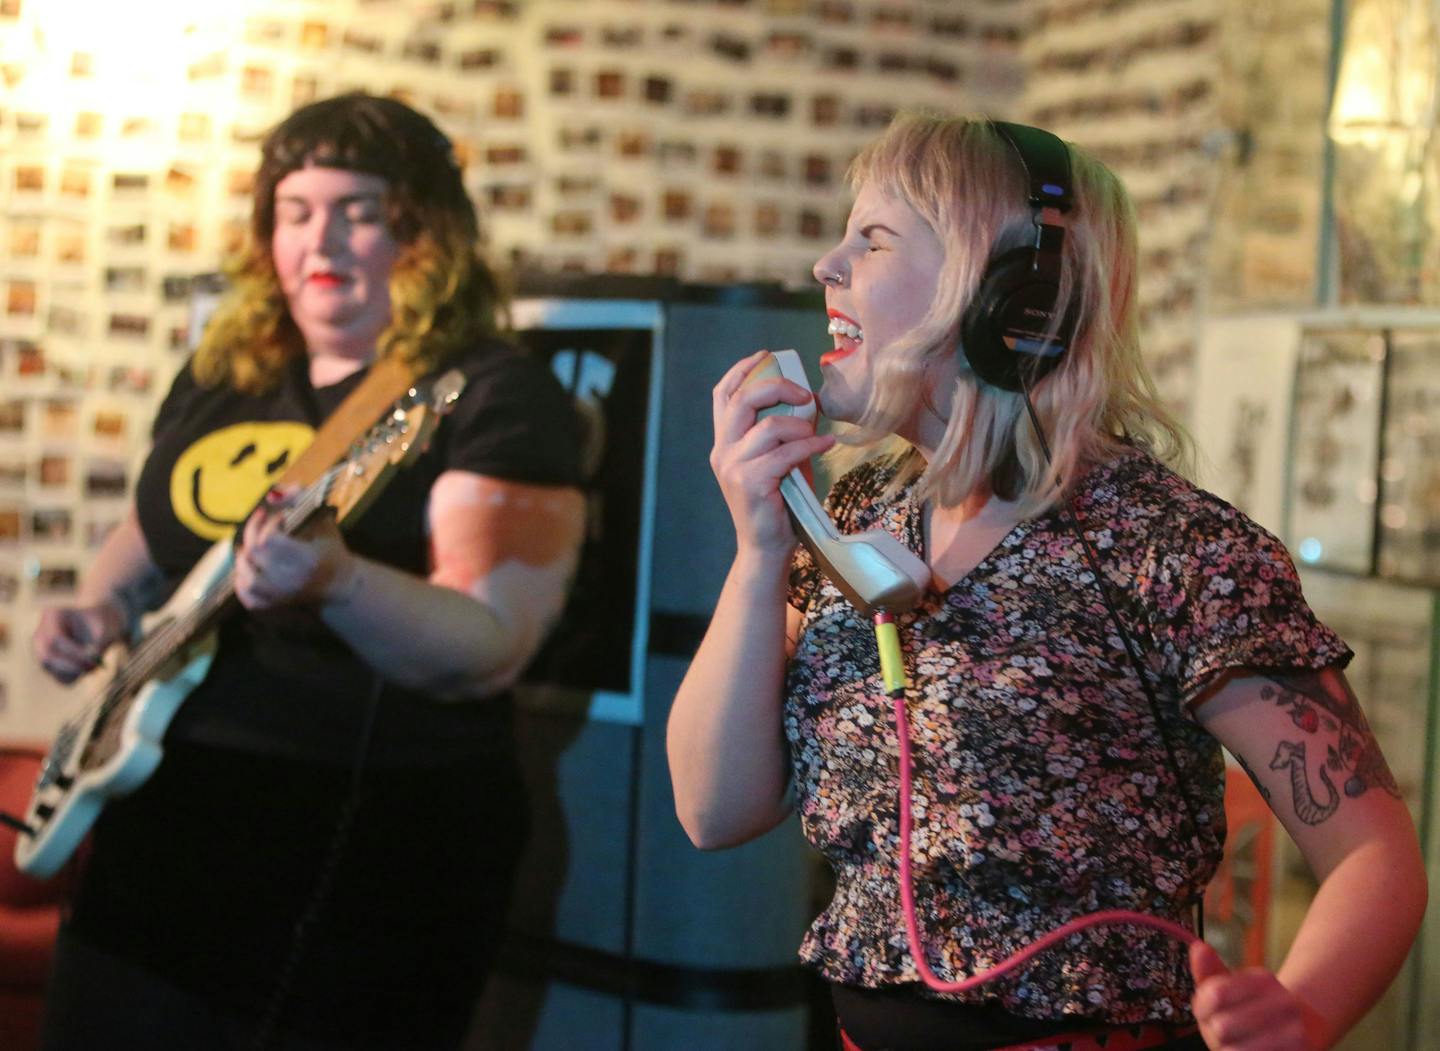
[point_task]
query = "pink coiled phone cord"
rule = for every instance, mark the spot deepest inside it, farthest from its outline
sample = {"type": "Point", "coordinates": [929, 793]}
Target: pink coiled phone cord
{"type": "Point", "coordinates": [907, 895]}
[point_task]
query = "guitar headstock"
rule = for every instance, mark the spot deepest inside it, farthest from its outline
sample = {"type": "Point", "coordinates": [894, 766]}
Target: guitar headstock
{"type": "Point", "coordinates": [396, 440]}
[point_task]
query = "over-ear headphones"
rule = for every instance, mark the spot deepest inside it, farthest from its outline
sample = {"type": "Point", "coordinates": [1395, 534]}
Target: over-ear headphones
{"type": "Point", "coordinates": [1005, 333]}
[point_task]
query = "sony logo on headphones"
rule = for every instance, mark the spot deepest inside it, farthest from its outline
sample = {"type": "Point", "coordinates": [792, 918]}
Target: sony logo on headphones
{"type": "Point", "coordinates": [1037, 312]}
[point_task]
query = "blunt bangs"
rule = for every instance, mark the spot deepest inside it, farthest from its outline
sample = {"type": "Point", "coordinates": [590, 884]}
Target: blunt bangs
{"type": "Point", "coordinates": [374, 136]}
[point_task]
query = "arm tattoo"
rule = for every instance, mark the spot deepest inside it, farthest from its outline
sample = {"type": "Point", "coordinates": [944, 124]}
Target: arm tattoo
{"type": "Point", "coordinates": [1351, 752]}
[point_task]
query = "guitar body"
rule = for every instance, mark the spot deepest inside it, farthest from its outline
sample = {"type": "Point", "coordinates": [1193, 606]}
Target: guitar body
{"type": "Point", "coordinates": [116, 743]}
{"type": "Point", "coordinates": [117, 746]}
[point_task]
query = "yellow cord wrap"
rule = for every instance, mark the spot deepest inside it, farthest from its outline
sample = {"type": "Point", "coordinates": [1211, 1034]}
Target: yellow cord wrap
{"type": "Point", "coordinates": [892, 661]}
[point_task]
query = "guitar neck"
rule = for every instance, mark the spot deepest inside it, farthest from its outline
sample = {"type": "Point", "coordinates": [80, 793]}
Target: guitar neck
{"type": "Point", "coordinates": [347, 486]}
{"type": "Point", "coordinates": [115, 743]}
{"type": "Point", "coordinates": [215, 591]}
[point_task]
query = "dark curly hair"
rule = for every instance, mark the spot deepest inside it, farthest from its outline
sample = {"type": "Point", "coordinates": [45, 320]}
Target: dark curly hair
{"type": "Point", "coordinates": [442, 293]}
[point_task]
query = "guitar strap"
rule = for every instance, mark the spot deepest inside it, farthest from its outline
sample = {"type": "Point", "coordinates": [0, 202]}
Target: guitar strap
{"type": "Point", "coordinates": [387, 380]}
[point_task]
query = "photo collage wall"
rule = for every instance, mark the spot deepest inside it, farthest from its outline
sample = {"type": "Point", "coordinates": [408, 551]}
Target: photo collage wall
{"type": "Point", "coordinates": [703, 140]}
{"type": "Point", "coordinates": [1136, 83]}
{"type": "Point", "coordinates": [1387, 162]}
{"type": "Point", "coordinates": [1273, 98]}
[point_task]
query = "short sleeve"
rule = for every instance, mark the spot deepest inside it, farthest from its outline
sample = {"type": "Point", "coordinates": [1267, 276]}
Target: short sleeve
{"type": "Point", "coordinates": [513, 421]}
{"type": "Point", "coordinates": [1227, 597]}
{"type": "Point", "coordinates": [175, 405]}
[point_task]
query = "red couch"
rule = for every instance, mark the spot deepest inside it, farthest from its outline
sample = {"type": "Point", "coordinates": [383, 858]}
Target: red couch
{"type": "Point", "coordinates": [29, 913]}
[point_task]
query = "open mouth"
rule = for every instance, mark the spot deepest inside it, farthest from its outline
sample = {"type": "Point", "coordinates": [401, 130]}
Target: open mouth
{"type": "Point", "coordinates": [847, 334]}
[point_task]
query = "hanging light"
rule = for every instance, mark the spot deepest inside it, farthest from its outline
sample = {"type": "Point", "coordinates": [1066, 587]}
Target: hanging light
{"type": "Point", "coordinates": [1388, 71]}
{"type": "Point", "coordinates": [117, 58]}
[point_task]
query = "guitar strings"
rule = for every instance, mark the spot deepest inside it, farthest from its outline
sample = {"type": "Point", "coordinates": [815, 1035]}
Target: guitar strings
{"type": "Point", "coordinates": [143, 660]}
{"type": "Point", "coordinates": [157, 647]}
{"type": "Point", "coordinates": [218, 593]}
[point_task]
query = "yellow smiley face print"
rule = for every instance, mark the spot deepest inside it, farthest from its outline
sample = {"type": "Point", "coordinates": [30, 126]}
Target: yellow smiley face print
{"type": "Point", "coordinates": [219, 479]}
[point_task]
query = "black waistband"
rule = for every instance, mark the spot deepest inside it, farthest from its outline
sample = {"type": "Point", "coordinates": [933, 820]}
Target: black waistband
{"type": "Point", "coordinates": [901, 1019]}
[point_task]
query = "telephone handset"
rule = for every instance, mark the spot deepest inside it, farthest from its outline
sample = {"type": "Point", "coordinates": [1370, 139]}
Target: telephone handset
{"type": "Point", "coordinates": [875, 571]}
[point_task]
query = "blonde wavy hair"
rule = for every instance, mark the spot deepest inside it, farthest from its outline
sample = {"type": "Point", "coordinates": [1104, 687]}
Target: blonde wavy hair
{"type": "Point", "coordinates": [442, 294]}
{"type": "Point", "coordinates": [968, 184]}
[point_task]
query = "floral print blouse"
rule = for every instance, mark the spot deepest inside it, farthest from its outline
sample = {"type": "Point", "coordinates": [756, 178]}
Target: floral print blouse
{"type": "Point", "coordinates": [1042, 789]}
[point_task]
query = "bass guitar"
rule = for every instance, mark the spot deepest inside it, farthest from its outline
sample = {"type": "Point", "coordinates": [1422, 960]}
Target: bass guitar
{"type": "Point", "coordinates": [114, 744]}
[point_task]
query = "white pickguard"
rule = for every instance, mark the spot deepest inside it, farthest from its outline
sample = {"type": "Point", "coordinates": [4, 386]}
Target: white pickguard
{"type": "Point", "coordinates": [71, 793]}
{"type": "Point", "coordinates": [115, 743]}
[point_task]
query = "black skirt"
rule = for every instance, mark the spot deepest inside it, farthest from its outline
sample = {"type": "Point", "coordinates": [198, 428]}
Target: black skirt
{"type": "Point", "coordinates": [203, 874]}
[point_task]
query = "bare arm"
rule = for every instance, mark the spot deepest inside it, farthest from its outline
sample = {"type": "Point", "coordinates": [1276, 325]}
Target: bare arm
{"type": "Point", "coordinates": [724, 739]}
{"type": "Point", "coordinates": [502, 553]}
{"type": "Point", "coordinates": [121, 583]}
{"type": "Point", "coordinates": [1307, 746]}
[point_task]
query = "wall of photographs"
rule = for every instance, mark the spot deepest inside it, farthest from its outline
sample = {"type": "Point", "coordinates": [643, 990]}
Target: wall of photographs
{"type": "Point", "coordinates": [706, 140]}
{"type": "Point", "coordinates": [1135, 82]}
{"type": "Point", "coordinates": [1273, 95]}
{"type": "Point", "coordinates": [1387, 162]}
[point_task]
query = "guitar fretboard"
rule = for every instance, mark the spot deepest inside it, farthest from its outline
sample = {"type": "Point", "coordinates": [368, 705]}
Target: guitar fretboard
{"type": "Point", "coordinates": [161, 644]}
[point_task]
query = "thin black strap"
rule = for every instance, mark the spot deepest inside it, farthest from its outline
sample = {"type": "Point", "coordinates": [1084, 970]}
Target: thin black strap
{"type": "Point", "coordinates": [1071, 519]}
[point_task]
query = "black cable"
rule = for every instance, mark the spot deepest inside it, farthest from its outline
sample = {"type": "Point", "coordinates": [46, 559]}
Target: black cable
{"type": "Point", "coordinates": [324, 877]}
{"type": "Point", "coordinates": [1093, 560]}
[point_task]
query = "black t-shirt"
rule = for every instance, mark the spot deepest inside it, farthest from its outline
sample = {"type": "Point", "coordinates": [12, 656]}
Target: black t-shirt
{"type": "Point", "coordinates": [282, 683]}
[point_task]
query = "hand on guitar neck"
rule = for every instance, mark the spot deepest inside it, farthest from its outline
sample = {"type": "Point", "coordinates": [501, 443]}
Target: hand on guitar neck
{"type": "Point", "coordinates": [277, 567]}
{"type": "Point", "coordinates": [114, 742]}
